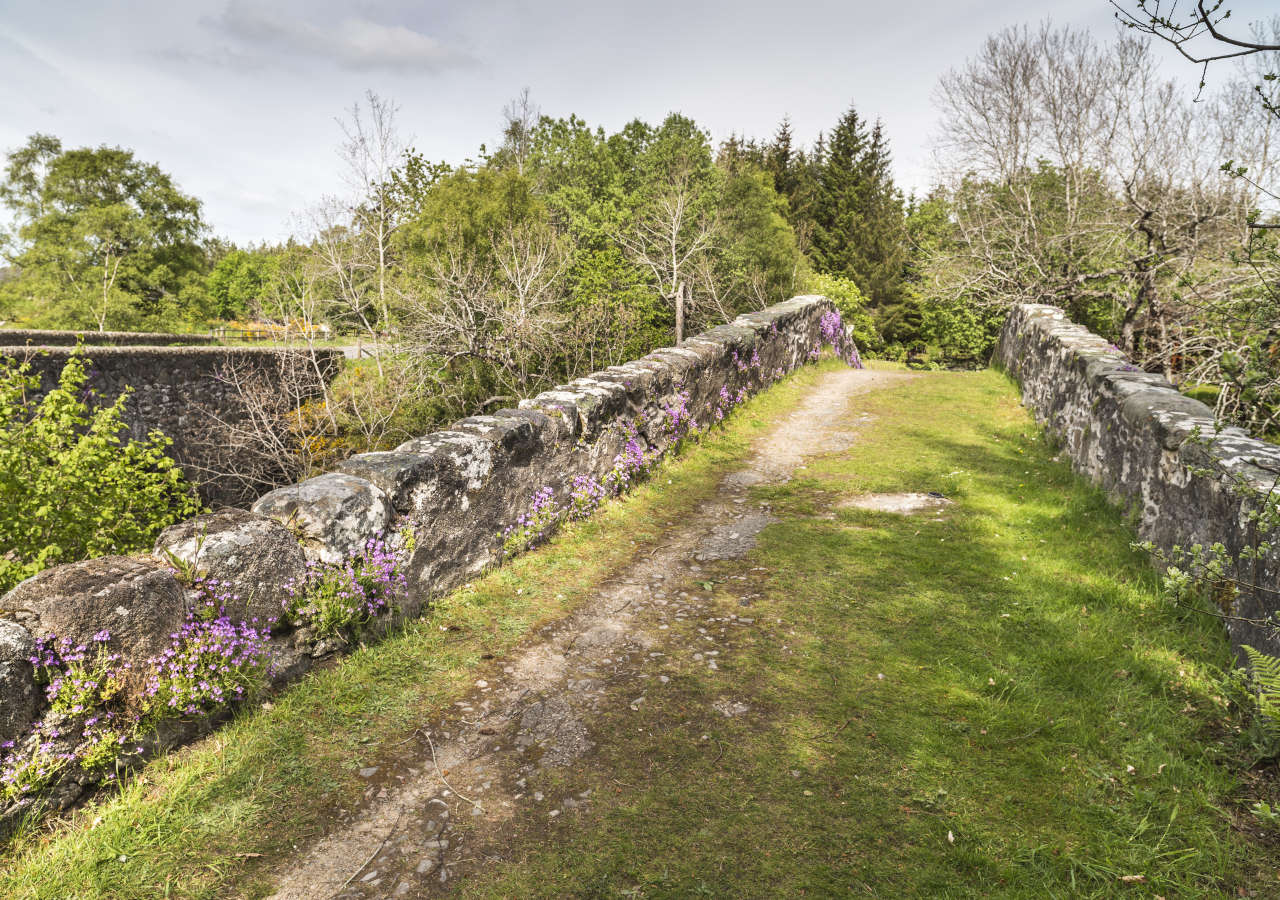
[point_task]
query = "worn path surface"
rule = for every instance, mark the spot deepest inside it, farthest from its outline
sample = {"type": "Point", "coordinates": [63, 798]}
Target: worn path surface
{"type": "Point", "coordinates": [448, 808]}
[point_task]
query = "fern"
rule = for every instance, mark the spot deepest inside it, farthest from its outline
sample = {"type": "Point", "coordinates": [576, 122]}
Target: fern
{"type": "Point", "coordinates": [1266, 680]}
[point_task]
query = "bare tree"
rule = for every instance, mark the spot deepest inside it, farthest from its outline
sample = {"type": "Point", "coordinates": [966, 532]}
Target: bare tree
{"type": "Point", "coordinates": [498, 308]}
{"type": "Point", "coordinates": [1200, 33]}
{"type": "Point", "coordinates": [519, 118]}
{"type": "Point", "coordinates": [354, 233]}
{"type": "Point", "coordinates": [670, 233]}
{"type": "Point", "coordinates": [1082, 178]}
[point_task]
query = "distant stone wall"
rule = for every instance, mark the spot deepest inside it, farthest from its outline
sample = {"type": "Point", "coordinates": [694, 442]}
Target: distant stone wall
{"type": "Point", "coordinates": [36, 337]}
{"type": "Point", "coordinates": [1133, 433]}
{"type": "Point", "coordinates": [454, 492]}
{"type": "Point", "coordinates": [174, 390]}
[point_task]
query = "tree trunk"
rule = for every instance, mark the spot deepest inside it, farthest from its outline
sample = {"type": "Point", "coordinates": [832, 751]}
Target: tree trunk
{"type": "Point", "coordinates": [680, 289]}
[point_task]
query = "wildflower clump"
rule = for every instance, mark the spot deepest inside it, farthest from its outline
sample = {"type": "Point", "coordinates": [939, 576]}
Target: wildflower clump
{"type": "Point", "coordinates": [99, 708]}
{"type": "Point", "coordinates": [86, 722]}
{"type": "Point", "coordinates": [831, 327]}
{"type": "Point", "coordinates": [679, 421]}
{"type": "Point", "coordinates": [531, 527]}
{"type": "Point", "coordinates": [338, 599]}
{"type": "Point", "coordinates": [211, 663]}
{"type": "Point", "coordinates": [585, 496]}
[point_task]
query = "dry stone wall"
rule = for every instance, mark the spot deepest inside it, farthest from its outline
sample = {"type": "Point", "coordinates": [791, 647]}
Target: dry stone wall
{"type": "Point", "coordinates": [39, 337]}
{"type": "Point", "coordinates": [1151, 448]}
{"type": "Point", "coordinates": [177, 390]}
{"type": "Point", "coordinates": [449, 495]}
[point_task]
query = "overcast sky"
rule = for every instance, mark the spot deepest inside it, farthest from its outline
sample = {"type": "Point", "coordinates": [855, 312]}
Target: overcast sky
{"type": "Point", "coordinates": [237, 98]}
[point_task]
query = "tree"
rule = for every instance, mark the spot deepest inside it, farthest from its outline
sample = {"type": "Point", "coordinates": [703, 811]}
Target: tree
{"type": "Point", "coordinates": [355, 234]}
{"type": "Point", "coordinates": [520, 118]}
{"type": "Point", "coordinates": [754, 258]}
{"type": "Point", "coordinates": [1079, 176]}
{"type": "Point", "coordinates": [588, 181]}
{"type": "Point", "coordinates": [100, 238]}
{"type": "Point", "coordinates": [239, 281]}
{"type": "Point", "coordinates": [675, 216]}
{"type": "Point", "coordinates": [857, 213]}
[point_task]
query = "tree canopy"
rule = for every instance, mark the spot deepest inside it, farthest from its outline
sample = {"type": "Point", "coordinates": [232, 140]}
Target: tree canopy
{"type": "Point", "coordinates": [102, 239]}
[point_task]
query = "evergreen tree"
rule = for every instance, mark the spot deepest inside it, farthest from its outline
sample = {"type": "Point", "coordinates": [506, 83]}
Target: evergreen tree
{"type": "Point", "coordinates": [858, 215]}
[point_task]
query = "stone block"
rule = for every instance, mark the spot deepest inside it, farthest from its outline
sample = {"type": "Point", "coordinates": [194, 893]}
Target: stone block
{"type": "Point", "coordinates": [396, 472]}
{"type": "Point", "coordinates": [514, 438]}
{"type": "Point", "coordinates": [334, 515]}
{"type": "Point", "coordinates": [253, 557]}
{"type": "Point", "coordinates": [136, 600]}
{"type": "Point", "coordinates": [18, 693]}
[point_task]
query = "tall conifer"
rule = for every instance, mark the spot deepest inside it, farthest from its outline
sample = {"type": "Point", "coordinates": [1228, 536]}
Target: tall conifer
{"type": "Point", "coordinates": [858, 216]}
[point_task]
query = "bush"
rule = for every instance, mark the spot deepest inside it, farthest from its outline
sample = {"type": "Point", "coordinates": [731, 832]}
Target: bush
{"type": "Point", "coordinates": [965, 332]}
{"type": "Point", "coordinates": [70, 487]}
{"type": "Point", "coordinates": [852, 304]}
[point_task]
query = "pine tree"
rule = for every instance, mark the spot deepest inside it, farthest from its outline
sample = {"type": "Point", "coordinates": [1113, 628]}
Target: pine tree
{"type": "Point", "coordinates": [795, 177]}
{"type": "Point", "coordinates": [858, 215]}
{"type": "Point", "coordinates": [780, 159]}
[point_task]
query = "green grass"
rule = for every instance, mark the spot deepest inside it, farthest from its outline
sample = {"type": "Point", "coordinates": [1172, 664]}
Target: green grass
{"type": "Point", "coordinates": [1026, 659]}
{"type": "Point", "coordinates": [1027, 663]}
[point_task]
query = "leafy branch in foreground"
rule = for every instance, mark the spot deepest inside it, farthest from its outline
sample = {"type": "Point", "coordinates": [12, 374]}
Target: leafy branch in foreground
{"type": "Point", "coordinates": [72, 484]}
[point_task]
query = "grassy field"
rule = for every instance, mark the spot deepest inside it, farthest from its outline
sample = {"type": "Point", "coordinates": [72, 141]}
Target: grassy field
{"type": "Point", "coordinates": [993, 704]}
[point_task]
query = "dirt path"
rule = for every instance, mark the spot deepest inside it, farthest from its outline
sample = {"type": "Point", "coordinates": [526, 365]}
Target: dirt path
{"type": "Point", "coordinates": [429, 824]}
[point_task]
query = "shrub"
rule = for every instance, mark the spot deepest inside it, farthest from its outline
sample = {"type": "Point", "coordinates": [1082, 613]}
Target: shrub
{"type": "Point", "coordinates": [70, 486]}
{"type": "Point", "coordinates": [852, 306]}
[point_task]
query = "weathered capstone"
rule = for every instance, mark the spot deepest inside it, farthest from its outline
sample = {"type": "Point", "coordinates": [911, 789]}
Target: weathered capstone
{"type": "Point", "coordinates": [396, 472]}
{"type": "Point", "coordinates": [334, 515]}
{"type": "Point", "coordinates": [136, 600]}
{"type": "Point", "coordinates": [513, 439]}
{"type": "Point", "coordinates": [17, 680]}
{"type": "Point", "coordinates": [253, 557]}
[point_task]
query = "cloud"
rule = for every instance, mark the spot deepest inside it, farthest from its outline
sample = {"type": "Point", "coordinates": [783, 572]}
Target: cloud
{"type": "Point", "coordinates": [353, 42]}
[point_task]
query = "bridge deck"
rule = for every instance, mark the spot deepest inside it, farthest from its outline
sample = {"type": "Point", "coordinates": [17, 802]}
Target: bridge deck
{"type": "Point", "coordinates": [780, 668]}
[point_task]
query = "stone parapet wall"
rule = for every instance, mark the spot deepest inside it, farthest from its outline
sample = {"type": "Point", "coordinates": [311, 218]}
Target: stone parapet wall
{"type": "Point", "coordinates": [444, 500]}
{"type": "Point", "coordinates": [175, 390]}
{"type": "Point", "coordinates": [1151, 448]}
{"type": "Point", "coordinates": [40, 337]}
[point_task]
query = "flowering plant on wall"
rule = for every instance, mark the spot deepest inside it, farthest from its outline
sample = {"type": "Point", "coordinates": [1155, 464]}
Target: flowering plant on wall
{"type": "Point", "coordinates": [337, 599]}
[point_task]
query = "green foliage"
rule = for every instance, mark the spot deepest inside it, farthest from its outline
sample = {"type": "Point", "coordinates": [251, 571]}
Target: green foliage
{"type": "Point", "coordinates": [71, 487]}
{"type": "Point", "coordinates": [964, 333]}
{"type": "Point", "coordinates": [238, 282]}
{"type": "Point", "coordinates": [859, 214]}
{"type": "Point", "coordinates": [463, 211]}
{"type": "Point", "coordinates": [852, 304]}
{"type": "Point", "coordinates": [761, 259]}
{"type": "Point", "coordinates": [1265, 670]}
{"type": "Point", "coordinates": [102, 240]}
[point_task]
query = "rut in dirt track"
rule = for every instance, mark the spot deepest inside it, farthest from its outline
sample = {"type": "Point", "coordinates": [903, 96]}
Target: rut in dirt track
{"type": "Point", "coordinates": [428, 826]}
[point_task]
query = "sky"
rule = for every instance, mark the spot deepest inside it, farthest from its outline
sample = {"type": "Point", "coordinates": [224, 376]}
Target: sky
{"type": "Point", "coordinates": [238, 99]}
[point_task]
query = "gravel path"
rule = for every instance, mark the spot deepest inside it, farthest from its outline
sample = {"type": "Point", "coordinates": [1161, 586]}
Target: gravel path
{"type": "Point", "coordinates": [423, 828]}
